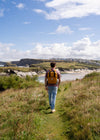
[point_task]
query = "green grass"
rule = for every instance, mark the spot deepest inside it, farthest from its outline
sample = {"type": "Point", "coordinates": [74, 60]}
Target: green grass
{"type": "Point", "coordinates": [13, 81]}
{"type": "Point", "coordinates": [20, 113]}
{"type": "Point", "coordinates": [25, 113]}
{"type": "Point", "coordinates": [81, 108]}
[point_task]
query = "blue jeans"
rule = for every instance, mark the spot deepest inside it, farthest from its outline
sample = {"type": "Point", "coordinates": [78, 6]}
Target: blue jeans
{"type": "Point", "coordinates": [52, 91]}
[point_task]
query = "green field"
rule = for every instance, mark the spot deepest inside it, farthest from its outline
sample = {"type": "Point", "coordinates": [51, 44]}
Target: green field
{"type": "Point", "coordinates": [25, 112]}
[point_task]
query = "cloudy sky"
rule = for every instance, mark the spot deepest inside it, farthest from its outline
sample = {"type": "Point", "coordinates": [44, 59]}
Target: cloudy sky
{"type": "Point", "coordinates": [49, 29]}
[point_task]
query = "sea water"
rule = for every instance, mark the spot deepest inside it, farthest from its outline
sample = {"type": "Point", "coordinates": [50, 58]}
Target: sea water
{"type": "Point", "coordinates": [66, 77]}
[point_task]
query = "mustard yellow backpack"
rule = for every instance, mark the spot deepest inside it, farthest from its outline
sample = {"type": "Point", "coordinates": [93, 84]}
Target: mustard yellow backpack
{"type": "Point", "coordinates": [52, 77]}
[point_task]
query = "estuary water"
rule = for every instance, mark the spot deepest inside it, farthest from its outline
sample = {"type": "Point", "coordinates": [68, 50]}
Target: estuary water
{"type": "Point", "coordinates": [66, 76]}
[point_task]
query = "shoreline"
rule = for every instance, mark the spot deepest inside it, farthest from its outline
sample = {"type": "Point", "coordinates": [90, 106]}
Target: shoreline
{"type": "Point", "coordinates": [70, 76]}
{"type": "Point", "coordinates": [84, 71]}
{"type": "Point", "coordinates": [79, 71]}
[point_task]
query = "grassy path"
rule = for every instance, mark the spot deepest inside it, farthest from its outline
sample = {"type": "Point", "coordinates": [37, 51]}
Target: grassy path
{"type": "Point", "coordinates": [53, 128]}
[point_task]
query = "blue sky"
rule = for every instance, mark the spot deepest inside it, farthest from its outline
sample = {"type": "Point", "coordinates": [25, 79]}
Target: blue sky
{"type": "Point", "coordinates": [49, 29]}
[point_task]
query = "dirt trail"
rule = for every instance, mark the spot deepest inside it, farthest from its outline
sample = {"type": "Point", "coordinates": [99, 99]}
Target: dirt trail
{"type": "Point", "coordinates": [53, 128]}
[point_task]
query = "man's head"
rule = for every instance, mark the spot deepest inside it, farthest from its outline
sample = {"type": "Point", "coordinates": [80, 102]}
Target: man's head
{"type": "Point", "coordinates": [53, 64]}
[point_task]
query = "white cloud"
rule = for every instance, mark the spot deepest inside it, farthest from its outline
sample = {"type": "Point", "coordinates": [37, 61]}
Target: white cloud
{"type": "Point", "coordinates": [1, 12]}
{"type": "Point", "coordinates": [84, 48]}
{"type": "Point", "coordinates": [63, 29]}
{"type": "Point", "coordinates": [13, 2]}
{"type": "Point", "coordinates": [27, 22]}
{"type": "Point", "coordinates": [6, 52]}
{"type": "Point", "coordinates": [39, 11]}
{"type": "Point", "coordinates": [20, 6]}
{"type": "Point", "coordinates": [84, 29]}
{"type": "Point", "coordinates": [62, 9]}
{"type": "Point", "coordinates": [40, 0]}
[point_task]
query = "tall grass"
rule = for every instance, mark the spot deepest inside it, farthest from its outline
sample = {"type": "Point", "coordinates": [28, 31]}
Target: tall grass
{"type": "Point", "coordinates": [21, 113]}
{"type": "Point", "coordinates": [81, 108]}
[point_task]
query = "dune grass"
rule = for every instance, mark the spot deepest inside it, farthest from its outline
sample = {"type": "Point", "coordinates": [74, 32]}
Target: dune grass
{"type": "Point", "coordinates": [25, 113]}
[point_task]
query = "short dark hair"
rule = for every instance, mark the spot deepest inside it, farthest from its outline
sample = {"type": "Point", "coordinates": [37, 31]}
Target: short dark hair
{"type": "Point", "coordinates": [53, 64]}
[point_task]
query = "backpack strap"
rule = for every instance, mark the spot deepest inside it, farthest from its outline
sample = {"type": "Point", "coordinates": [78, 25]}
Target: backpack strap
{"type": "Point", "coordinates": [50, 72]}
{"type": "Point", "coordinates": [54, 73]}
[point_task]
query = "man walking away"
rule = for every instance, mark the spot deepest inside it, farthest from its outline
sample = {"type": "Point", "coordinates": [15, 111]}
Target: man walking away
{"type": "Point", "coordinates": [52, 82]}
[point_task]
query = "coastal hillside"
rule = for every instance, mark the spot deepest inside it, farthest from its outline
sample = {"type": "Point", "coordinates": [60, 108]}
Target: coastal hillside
{"type": "Point", "coordinates": [40, 66]}
{"type": "Point", "coordinates": [27, 61]}
{"type": "Point", "coordinates": [25, 112]}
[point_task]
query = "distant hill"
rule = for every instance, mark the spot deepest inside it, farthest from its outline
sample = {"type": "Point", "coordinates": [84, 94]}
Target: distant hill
{"type": "Point", "coordinates": [24, 62]}
{"type": "Point", "coordinates": [29, 62]}
{"type": "Point", "coordinates": [2, 63]}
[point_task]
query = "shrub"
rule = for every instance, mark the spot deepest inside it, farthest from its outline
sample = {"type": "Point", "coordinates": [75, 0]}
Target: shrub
{"type": "Point", "coordinates": [13, 81]}
{"type": "Point", "coordinates": [93, 74]}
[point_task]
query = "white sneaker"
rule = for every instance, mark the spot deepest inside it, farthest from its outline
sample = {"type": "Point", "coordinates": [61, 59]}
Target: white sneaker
{"type": "Point", "coordinates": [53, 110]}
